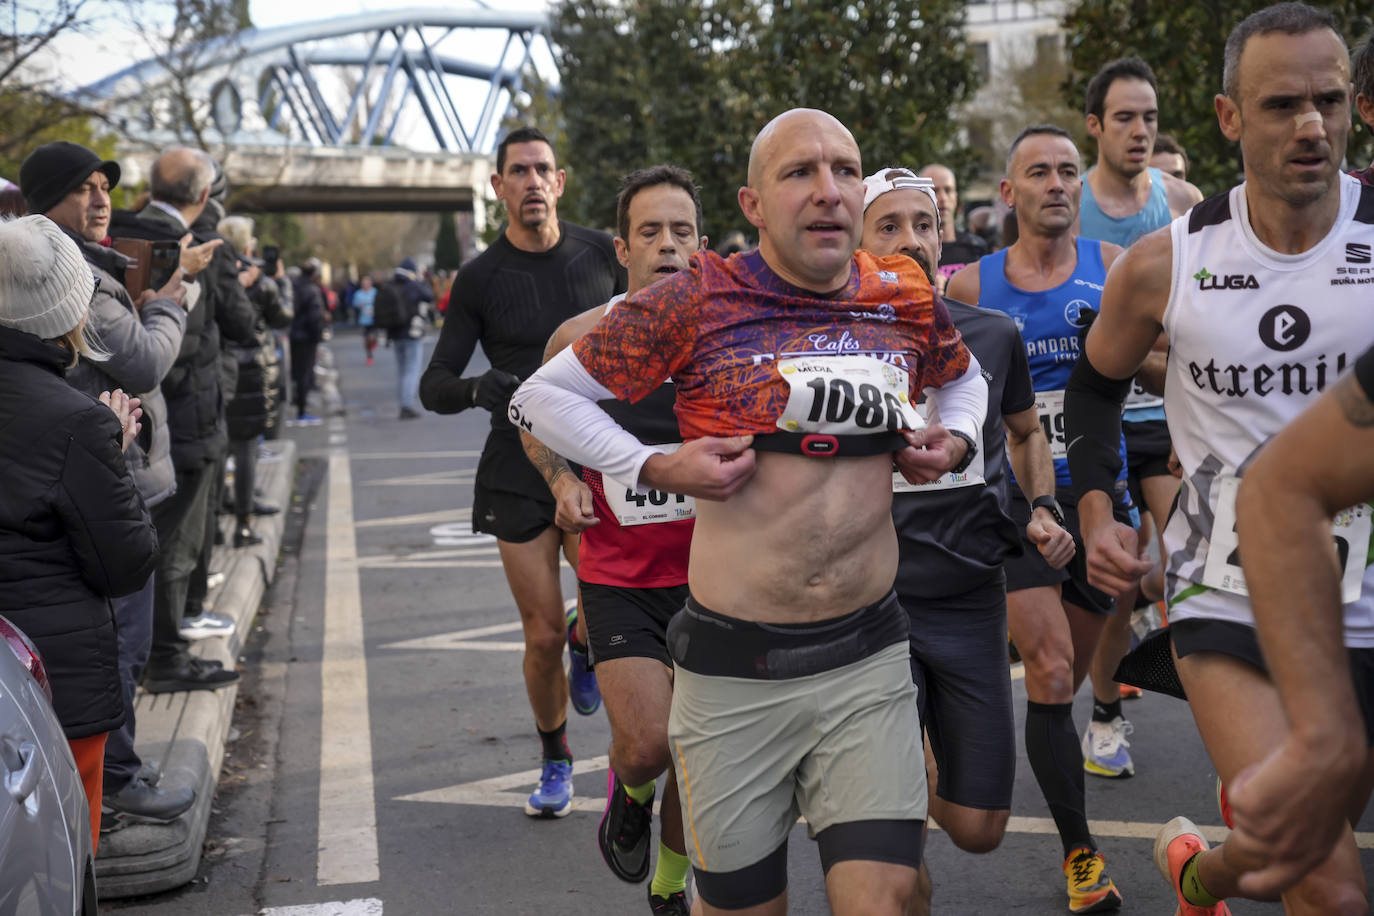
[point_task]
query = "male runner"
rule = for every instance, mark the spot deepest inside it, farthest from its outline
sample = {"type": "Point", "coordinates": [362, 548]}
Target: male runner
{"type": "Point", "coordinates": [1170, 157]}
{"type": "Point", "coordinates": [1123, 199]}
{"type": "Point", "coordinates": [632, 558]}
{"type": "Point", "coordinates": [1047, 281]}
{"type": "Point", "coordinates": [786, 699]}
{"type": "Point", "coordinates": [1255, 290]}
{"type": "Point", "coordinates": [1293, 809]}
{"type": "Point", "coordinates": [1362, 75]}
{"type": "Point", "coordinates": [954, 535]}
{"type": "Point", "coordinates": [537, 274]}
{"type": "Point", "coordinates": [957, 247]}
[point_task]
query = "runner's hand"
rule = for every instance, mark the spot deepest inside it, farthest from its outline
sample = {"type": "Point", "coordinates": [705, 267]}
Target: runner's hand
{"type": "Point", "coordinates": [574, 504]}
{"type": "Point", "coordinates": [1289, 811]}
{"type": "Point", "coordinates": [493, 390]}
{"type": "Point", "coordinates": [1114, 565]}
{"type": "Point", "coordinates": [1055, 544]}
{"type": "Point", "coordinates": [707, 468]}
{"type": "Point", "coordinates": [932, 452]}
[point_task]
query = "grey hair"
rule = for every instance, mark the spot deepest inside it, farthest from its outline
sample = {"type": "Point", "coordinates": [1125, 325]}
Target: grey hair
{"type": "Point", "coordinates": [239, 231]}
{"type": "Point", "coordinates": [1288, 18]}
{"type": "Point", "coordinates": [192, 184]}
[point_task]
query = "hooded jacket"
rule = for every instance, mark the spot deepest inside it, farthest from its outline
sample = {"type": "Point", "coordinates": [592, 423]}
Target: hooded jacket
{"type": "Point", "coordinates": [143, 345]}
{"type": "Point", "coordinates": [74, 532]}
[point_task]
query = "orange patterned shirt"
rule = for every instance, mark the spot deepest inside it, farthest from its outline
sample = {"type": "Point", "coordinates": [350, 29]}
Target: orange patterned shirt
{"type": "Point", "coordinates": [726, 330]}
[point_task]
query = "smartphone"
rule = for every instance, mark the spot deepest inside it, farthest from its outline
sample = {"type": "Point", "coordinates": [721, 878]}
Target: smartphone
{"type": "Point", "coordinates": [270, 255]}
{"type": "Point", "coordinates": [151, 264]}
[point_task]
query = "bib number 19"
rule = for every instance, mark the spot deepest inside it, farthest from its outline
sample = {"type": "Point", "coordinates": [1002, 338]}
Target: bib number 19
{"type": "Point", "coordinates": [834, 401]}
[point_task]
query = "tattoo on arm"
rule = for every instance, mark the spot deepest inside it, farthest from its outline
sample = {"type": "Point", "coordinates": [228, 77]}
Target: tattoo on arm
{"type": "Point", "coordinates": [547, 462]}
{"type": "Point", "coordinates": [1354, 404]}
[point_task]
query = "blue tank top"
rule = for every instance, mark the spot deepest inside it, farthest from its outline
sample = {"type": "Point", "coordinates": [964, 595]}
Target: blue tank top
{"type": "Point", "coordinates": [1094, 224]}
{"type": "Point", "coordinates": [1049, 321]}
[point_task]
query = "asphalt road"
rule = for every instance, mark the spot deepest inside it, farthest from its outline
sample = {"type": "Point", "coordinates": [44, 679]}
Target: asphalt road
{"type": "Point", "coordinates": [385, 745]}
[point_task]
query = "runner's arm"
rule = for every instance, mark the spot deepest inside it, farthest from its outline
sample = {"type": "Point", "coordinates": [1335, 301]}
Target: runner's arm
{"type": "Point", "coordinates": [1291, 809]}
{"type": "Point", "coordinates": [1127, 326]}
{"type": "Point", "coordinates": [443, 388]}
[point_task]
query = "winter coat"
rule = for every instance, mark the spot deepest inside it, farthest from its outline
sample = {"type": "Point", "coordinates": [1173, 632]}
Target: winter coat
{"type": "Point", "coordinates": [307, 324]}
{"type": "Point", "coordinates": [74, 532]}
{"type": "Point", "coordinates": [142, 346]}
{"type": "Point", "coordinates": [255, 396]}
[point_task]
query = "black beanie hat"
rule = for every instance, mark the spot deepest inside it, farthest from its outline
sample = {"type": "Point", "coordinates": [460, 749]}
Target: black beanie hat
{"type": "Point", "coordinates": [54, 170]}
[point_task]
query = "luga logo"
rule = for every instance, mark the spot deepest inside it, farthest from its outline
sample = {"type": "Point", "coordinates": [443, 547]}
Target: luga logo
{"type": "Point", "coordinates": [1356, 253]}
{"type": "Point", "coordinates": [1208, 280]}
{"type": "Point", "coordinates": [1284, 328]}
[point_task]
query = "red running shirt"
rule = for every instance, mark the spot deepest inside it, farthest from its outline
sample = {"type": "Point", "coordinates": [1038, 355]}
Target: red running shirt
{"type": "Point", "coordinates": [719, 329]}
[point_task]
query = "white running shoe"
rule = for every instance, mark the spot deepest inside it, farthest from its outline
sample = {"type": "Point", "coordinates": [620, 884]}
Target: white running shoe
{"type": "Point", "coordinates": [1104, 749]}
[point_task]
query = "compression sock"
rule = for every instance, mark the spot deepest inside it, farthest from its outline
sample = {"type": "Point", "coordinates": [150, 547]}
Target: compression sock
{"type": "Point", "coordinates": [556, 743]}
{"type": "Point", "coordinates": [1106, 712]}
{"type": "Point", "coordinates": [1190, 883]}
{"type": "Point", "coordinates": [670, 874]}
{"type": "Point", "coordinates": [642, 794]}
{"type": "Point", "coordinates": [1057, 761]}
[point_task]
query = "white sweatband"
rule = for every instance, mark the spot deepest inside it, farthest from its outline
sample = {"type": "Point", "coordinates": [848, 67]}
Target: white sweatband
{"type": "Point", "coordinates": [557, 405]}
{"type": "Point", "coordinates": [963, 403]}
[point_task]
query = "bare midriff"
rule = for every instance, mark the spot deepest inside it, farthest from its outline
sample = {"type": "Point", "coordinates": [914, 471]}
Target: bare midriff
{"type": "Point", "coordinates": [806, 539]}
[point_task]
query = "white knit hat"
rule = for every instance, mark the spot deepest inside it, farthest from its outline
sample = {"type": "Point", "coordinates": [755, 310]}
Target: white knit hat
{"type": "Point", "coordinates": [45, 283]}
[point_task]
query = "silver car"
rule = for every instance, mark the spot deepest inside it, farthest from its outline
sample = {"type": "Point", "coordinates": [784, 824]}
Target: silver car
{"type": "Point", "coordinates": [47, 865]}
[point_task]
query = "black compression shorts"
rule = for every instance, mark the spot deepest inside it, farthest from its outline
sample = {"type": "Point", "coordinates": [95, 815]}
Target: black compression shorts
{"type": "Point", "coordinates": [629, 622]}
{"type": "Point", "coordinates": [1029, 570]}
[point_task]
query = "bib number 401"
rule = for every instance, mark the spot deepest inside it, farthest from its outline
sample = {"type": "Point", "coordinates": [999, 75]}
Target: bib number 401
{"type": "Point", "coordinates": [653, 498]}
{"type": "Point", "coordinates": [834, 401]}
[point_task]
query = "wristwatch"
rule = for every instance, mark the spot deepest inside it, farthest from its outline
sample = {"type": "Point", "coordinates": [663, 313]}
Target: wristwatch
{"type": "Point", "coordinates": [1049, 502]}
{"type": "Point", "coordinates": [969, 455]}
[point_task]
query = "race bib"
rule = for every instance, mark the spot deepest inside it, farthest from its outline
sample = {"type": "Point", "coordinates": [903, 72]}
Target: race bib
{"type": "Point", "coordinates": [1050, 406]}
{"type": "Point", "coordinates": [1351, 528]}
{"type": "Point", "coordinates": [846, 396]}
{"type": "Point", "coordinates": [1139, 397]}
{"type": "Point", "coordinates": [654, 507]}
{"type": "Point", "coordinates": [972, 476]}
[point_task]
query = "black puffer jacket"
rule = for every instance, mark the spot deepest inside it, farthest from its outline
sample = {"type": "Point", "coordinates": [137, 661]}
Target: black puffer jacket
{"type": "Point", "coordinates": [256, 392]}
{"type": "Point", "coordinates": [74, 532]}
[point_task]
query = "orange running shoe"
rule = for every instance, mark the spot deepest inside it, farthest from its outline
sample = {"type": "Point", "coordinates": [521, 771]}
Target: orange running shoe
{"type": "Point", "coordinates": [1177, 842]}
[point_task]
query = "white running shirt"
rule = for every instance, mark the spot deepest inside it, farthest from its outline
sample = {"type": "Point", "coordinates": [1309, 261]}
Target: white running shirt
{"type": "Point", "coordinates": [1255, 336]}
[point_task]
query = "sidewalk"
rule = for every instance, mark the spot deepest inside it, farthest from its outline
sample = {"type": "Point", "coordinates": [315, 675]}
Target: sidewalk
{"type": "Point", "coordinates": [183, 734]}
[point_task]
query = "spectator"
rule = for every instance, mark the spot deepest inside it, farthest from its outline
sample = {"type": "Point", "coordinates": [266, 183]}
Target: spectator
{"type": "Point", "coordinates": [180, 192]}
{"type": "Point", "coordinates": [363, 299]}
{"type": "Point", "coordinates": [74, 532]}
{"type": "Point", "coordinates": [70, 185]}
{"type": "Point", "coordinates": [405, 326]}
{"type": "Point", "coordinates": [12, 201]}
{"type": "Point", "coordinates": [307, 330]}
{"type": "Point", "coordinates": [251, 404]}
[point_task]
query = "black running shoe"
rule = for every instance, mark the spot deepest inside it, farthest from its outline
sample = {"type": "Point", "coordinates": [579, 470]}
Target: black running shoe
{"type": "Point", "coordinates": [624, 833]}
{"type": "Point", "coordinates": [672, 905]}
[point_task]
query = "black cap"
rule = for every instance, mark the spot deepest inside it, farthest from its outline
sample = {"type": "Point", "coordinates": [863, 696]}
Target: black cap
{"type": "Point", "coordinates": [54, 170]}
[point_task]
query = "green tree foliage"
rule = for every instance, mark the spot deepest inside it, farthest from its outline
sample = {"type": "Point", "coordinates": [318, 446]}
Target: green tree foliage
{"type": "Point", "coordinates": [1184, 45]}
{"type": "Point", "coordinates": [691, 82]}
{"type": "Point", "coordinates": [447, 253]}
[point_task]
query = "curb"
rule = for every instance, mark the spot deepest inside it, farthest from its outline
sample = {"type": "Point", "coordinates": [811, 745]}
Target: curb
{"type": "Point", "coordinates": [183, 733]}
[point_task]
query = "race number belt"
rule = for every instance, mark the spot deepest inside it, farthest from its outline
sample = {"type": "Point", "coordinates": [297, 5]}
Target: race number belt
{"type": "Point", "coordinates": [822, 445]}
{"type": "Point", "coordinates": [1351, 529]}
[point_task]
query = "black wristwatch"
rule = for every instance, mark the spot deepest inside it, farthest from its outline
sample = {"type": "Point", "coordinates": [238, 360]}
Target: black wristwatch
{"type": "Point", "coordinates": [969, 455]}
{"type": "Point", "coordinates": [1049, 502]}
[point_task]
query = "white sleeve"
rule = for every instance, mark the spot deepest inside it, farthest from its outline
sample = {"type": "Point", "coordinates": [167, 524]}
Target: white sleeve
{"type": "Point", "coordinates": [557, 405]}
{"type": "Point", "coordinates": [963, 403]}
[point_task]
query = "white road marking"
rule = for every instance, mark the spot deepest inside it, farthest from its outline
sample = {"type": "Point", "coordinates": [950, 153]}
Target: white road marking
{"type": "Point", "coordinates": [493, 793]}
{"type": "Point", "coordinates": [432, 479]}
{"type": "Point", "coordinates": [462, 640]}
{"type": "Point", "coordinates": [422, 518]}
{"type": "Point", "coordinates": [392, 456]}
{"type": "Point", "coordinates": [370, 906]}
{"type": "Point", "coordinates": [348, 815]}
{"type": "Point", "coordinates": [424, 556]}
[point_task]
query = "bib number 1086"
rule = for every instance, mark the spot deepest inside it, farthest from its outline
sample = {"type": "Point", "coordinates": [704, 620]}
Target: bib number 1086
{"type": "Point", "coordinates": [834, 401]}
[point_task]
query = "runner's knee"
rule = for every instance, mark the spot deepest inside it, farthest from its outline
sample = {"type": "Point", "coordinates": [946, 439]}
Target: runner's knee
{"type": "Point", "coordinates": [641, 758]}
{"type": "Point", "coordinates": [973, 830]}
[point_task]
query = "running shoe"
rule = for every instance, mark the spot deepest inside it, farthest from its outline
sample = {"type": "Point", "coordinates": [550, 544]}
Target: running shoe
{"type": "Point", "coordinates": [1090, 889]}
{"type": "Point", "coordinates": [672, 905]}
{"type": "Point", "coordinates": [624, 833]}
{"type": "Point", "coordinates": [1177, 842]}
{"type": "Point", "coordinates": [1224, 804]}
{"type": "Point", "coordinates": [586, 695]}
{"type": "Point", "coordinates": [1131, 692]}
{"type": "Point", "coordinates": [1104, 749]}
{"type": "Point", "coordinates": [553, 797]}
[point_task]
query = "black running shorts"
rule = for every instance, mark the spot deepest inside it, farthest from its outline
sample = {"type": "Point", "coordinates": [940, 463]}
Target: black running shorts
{"type": "Point", "coordinates": [1029, 570]}
{"type": "Point", "coordinates": [963, 689]}
{"type": "Point", "coordinates": [511, 517]}
{"type": "Point", "coordinates": [629, 622]}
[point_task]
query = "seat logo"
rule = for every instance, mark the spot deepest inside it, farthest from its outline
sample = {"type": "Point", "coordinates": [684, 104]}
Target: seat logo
{"type": "Point", "coordinates": [1284, 328]}
{"type": "Point", "coordinates": [1356, 253]}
